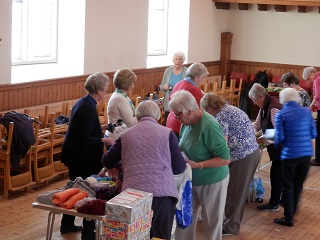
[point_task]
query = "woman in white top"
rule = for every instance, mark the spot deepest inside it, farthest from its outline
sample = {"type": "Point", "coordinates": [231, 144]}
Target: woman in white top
{"type": "Point", "coordinates": [120, 107]}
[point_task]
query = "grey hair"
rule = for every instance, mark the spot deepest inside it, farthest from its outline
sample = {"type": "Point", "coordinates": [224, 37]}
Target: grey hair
{"type": "Point", "coordinates": [257, 90]}
{"type": "Point", "coordinates": [96, 82]}
{"type": "Point", "coordinates": [183, 101]}
{"type": "Point", "coordinates": [289, 95]}
{"type": "Point", "coordinates": [196, 70]}
{"type": "Point", "coordinates": [148, 109]}
{"type": "Point", "coordinates": [307, 71]}
{"type": "Point", "coordinates": [123, 78]}
{"type": "Point", "coordinates": [179, 54]}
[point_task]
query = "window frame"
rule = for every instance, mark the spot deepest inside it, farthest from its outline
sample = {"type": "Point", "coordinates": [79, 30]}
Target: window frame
{"type": "Point", "coordinates": [37, 35]}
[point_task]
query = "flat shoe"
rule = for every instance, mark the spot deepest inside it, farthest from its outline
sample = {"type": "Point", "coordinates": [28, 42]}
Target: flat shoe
{"type": "Point", "coordinates": [69, 230]}
{"type": "Point", "coordinates": [283, 222]}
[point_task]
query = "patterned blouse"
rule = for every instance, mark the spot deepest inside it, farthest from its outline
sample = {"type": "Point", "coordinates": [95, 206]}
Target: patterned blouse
{"type": "Point", "coordinates": [237, 126]}
{"type": "Point", "coordinates": [305, 102]}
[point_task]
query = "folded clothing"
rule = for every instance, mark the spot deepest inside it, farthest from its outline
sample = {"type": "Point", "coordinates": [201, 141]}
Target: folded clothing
{"type": "Point", "coordinates": [95, 207]}
{"type": "Point", "coordinates": [60, 197]}
{"type": "Point", "coordinates": [73, 199]}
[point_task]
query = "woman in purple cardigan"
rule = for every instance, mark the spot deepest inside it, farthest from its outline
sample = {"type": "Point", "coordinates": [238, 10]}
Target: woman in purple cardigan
{"type": "Point", "coordinates": [150, 157]}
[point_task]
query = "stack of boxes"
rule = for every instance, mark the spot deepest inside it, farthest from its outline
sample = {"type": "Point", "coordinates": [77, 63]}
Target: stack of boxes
{"type": "Point", "coordinates": [128, 216]}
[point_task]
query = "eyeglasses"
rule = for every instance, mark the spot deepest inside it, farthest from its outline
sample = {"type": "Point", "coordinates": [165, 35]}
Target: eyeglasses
{"type": "Point", "coordinates": [177, 115]}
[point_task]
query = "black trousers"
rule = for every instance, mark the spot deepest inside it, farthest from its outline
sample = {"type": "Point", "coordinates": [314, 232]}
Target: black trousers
{"type": "Point", "coordinates": [317, 145]}
{"type": "Point", "coordinates": [67, 221]}
{"type": "Point", "coordinates": [275, 175]}
{"type": "Point", "coordinates": [163, 214]}
{"type": "Point", "coordinates": [294, 173]}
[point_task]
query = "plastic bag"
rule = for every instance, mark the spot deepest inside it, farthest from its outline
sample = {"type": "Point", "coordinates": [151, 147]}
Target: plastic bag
{"type": "Point", "coordinates": [184, 211]}
{"type": "Point", "coordinates": [184, 206]}
{"type": "Point", "coordinates": [258, 188]}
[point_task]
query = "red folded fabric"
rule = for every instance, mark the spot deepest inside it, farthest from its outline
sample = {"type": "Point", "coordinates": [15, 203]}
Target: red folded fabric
{"type": "Point", "coordinates": [75, 198]}
{"type": "Point", "coordinates": [95, 207]}
{"type": "Point", "coordinates": [60, 197]}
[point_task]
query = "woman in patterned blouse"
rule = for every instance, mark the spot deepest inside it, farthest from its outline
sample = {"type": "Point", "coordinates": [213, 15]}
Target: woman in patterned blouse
{"type": "Point", "coordinates": [290, 80]}
{"type": "Point", "coordinates": [244, 156]}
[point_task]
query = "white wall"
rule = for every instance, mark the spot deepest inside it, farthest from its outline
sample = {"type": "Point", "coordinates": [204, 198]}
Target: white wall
{"type": "Point", "coordinates": [206, 25]}
{"type": "Point", "coordinates": [5, 44]}
{"type": "Point", "coordinates": [289, 38]}
{"type": "Point", "coordinates": [116, 34]}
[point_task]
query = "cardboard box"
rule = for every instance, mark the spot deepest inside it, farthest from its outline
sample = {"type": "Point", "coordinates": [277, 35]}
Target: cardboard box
{"type": "Point", "coordinates": [129, 206]}
{"type": "Point", "coordinates": [138, 230]}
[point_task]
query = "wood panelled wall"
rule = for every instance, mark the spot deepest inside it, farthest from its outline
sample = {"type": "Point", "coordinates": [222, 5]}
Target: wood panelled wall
{"type": "Point", "coordinates": [273, 69]}
{"type": "Point", "coordinates": [23, 95]}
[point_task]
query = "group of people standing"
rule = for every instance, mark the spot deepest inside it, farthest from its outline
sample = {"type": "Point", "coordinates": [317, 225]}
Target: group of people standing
{"type": "Point", "coordinates": [218, 140]}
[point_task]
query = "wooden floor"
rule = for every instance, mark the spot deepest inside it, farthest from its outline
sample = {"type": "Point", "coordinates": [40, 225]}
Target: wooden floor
{"type": "Point", "coordinates": [18, 220]}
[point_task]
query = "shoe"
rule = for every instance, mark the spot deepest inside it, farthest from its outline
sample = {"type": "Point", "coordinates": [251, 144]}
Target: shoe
{"type": "Point", "coordinates": [69, 230]}
{"type": "Point", "coordinates": [314, 163]}
{"type": "Point", "coordinates": [225, 233]}
{"type": "Point", "coordinates": [283, 222]}
{"type": "Point", "coordinates": [268, 208]}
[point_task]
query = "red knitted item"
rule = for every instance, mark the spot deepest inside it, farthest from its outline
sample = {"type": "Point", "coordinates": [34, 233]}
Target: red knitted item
{"type": "Point", "coordinates": [95, 207]}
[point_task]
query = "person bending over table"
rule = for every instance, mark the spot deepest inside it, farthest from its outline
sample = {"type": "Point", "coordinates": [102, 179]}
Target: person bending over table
{"type": "Point", "coordinates": [244, 156]}
{"type": "Point", "coordinates": [202, 140]}
{"type": "Point", "coordinates": [269, 106]}
{"type": "Point", "coordinates": [150, 158]}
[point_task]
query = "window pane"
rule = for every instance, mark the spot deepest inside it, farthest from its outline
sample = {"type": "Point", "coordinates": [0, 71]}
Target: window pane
{"type": "Point", "coordinates": [34, 37]}
{"type": "Point", "coordinates": [157, 27]}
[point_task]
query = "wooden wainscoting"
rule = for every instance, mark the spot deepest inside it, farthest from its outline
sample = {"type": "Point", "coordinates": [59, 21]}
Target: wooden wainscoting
{"type": "Point", "coordinates": [23, 95]}
{"type": "Point", "coordinates": [273, 69]}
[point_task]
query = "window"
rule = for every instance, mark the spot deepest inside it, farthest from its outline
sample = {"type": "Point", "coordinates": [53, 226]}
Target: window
{"type": "Point", "coordinates": [34, 31]}
{"type": "Point", "coordinates": [157, 27]}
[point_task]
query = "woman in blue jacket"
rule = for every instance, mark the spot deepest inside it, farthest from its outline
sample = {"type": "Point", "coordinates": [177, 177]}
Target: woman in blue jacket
{"type": "Point", "coordinates": [294, 131]}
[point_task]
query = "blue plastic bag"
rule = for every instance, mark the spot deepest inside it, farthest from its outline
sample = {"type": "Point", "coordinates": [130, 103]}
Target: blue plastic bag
{"type": "Point", "coordinates": [184, 207]}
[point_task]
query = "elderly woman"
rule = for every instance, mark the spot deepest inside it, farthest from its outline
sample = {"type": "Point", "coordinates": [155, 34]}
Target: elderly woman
{"type": "Point", "coordinates": [269, 106]}
{"type": "Point", "coordinates": [309, 73]}
{"type": "Point", "coordinates": [83, 145]}
{"type": "Point", "coordinates": [314, 76]}
{"type": "Point", "coordinates": [172, 75]}
{"type": "Point", "coordinates": [120, 106]}
{"type": "Point", "coordinates": [201, 138]}
{"type": "Point", "coordinates": [195, 75]}
{"type": "Point", "coordinates": [244, 156]}
{"type": "Point", "coordinates": [290, 80]}
{"type": "Point", "coordinates": [150, 157]}
{"type": "Point", "coordinates": [295, 138]}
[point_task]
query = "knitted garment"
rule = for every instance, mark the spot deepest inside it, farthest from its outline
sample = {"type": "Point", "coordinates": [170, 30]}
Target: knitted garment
{"type": "Point", "coordinates": [75, 198]}
{"type": "Point", "coordinates": [83, 202]}
{"type": "Point", "coordinates": [61, 197]}
{"type": "Point", "coordinates": [95, 207]}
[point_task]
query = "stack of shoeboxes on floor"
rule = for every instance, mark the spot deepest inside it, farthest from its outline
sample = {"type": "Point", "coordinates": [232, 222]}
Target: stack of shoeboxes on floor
{"type": "Point", "coordinates": [128, 216]}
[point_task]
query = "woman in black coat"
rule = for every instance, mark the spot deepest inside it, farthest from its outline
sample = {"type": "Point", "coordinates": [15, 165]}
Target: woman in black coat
{"type": "Point", "coordinates": [83, 145]}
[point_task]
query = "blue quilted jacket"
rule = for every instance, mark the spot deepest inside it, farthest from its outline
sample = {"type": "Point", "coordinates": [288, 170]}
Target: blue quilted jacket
{"type": "Point", "coordinates": [295, 128]}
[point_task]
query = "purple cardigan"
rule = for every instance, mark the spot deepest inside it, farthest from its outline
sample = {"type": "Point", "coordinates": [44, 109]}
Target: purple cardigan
{"type": "Point", "coordinates": [150, 156]}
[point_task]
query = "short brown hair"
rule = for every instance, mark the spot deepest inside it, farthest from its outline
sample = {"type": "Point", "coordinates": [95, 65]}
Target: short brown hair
{"type": "Point", "coordinates": [123, 78]}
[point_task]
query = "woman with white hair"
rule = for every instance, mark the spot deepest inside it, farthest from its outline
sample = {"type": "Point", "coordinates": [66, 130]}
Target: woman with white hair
{"type": "Point", "coordinates": [172, 75]}
{"type": "Point", "coordinates": [150, 157]}
{"type": "Point", "coordinates": [295, 139]}
{"type": "Point", "coordinates": [195, 75]}
{"type": "Point", "coordinates": [202, 140]}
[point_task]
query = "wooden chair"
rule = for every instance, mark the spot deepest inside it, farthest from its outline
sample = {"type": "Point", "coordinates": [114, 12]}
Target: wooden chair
{"type": "Point", "coordinates": [234, 93]}
{"type": "Point", "coordinates": [221, 91]}
{"type": "Point", "coordinates": [58, 132]}
{"type": "Point", "coordinates": [41, 155]}
{"type": "Point", "coordinates": [23, 178]}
